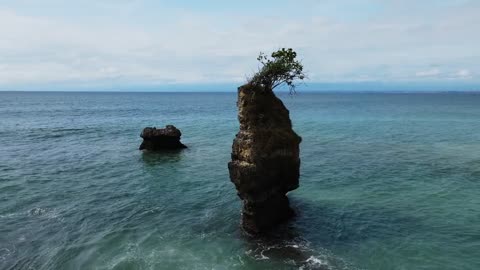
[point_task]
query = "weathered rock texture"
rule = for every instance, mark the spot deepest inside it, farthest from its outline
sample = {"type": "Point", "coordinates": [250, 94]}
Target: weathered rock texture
{"type": "Point", "coordinates": [167, 138]}
{"type": "Point", "coordinates": [265, 159]}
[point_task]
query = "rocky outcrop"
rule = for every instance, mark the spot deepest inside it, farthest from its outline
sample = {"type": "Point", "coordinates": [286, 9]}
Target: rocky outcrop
{"type": "Point", "coordinates": [167, 138]}
{"type": "Point", "coordinates": [265, 159]}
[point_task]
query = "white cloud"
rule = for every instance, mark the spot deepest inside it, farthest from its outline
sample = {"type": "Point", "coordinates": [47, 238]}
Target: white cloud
{"type": "Point", "coordinates": [428, 73]}
{"type": "Point", "coordinates": [464, 73]}
{"type": "Point", "coordinates": [189, 47]}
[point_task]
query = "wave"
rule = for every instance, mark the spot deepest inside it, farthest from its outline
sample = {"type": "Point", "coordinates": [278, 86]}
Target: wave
{"type": "Point", "coordinates": [36, 212]}
{"type": "Point", "coordinates": [298, 253]}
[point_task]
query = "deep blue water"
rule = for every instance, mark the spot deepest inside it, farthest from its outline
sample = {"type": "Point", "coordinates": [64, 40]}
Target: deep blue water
{"type": "Point", "coordinates": [389, 181]}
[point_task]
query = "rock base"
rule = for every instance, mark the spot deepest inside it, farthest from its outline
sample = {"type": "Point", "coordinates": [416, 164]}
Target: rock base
{"type": "Point", "coordinates": [258, 217]}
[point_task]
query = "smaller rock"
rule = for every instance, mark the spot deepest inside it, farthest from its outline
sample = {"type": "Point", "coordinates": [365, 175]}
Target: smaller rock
{"type": "Point", "coordinates": [167, 138]}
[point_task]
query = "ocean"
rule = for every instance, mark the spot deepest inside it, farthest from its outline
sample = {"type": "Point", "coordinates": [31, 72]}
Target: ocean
{"type": "Point", "coordinates": [388, 181]}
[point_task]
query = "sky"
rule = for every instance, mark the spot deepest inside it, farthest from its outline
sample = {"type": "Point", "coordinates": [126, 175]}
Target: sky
{"type": "Point", "coordinates": [130, 44]}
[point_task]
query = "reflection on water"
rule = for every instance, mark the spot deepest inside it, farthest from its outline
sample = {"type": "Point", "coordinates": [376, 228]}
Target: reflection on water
{"type": "Point", "coordinates": [151, 158]}
{"type": "Point", "coordinates": [287, 245]}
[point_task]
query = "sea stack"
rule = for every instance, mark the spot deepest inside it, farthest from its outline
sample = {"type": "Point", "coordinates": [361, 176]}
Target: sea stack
{"type": "Point", "coordinates": [167, 138]}
{"type": "Point", "coordinates": [265, 158]}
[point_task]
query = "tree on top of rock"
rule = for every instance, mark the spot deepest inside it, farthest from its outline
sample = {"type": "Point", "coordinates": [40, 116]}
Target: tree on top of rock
{"type": "Point", "coordinates": [281, 68]}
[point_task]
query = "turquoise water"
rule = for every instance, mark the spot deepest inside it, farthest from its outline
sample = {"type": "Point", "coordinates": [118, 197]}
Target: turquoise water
{"type": "Point", "coordinates": [389, 181]}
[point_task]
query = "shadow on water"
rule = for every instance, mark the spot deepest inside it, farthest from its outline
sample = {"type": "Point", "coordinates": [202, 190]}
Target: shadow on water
{"type": "Point", "coordinates": [151, 158]}
{"type": "Point", "coordinates": [307, 241]}
{"type": "Point", "coordinates": [289, 247]}
{"type": "Point", "coordinates": [338, 225]}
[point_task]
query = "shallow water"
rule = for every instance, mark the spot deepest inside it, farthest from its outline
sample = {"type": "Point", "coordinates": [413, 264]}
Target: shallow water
{"type": "Point", "coordinates": [389, 181]}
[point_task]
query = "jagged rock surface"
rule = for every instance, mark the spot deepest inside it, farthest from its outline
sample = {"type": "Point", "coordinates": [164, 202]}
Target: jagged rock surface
{"type": "Point", "coordinates": [265, 159]}
{"type": "Point", "coordinates": [167, 138]}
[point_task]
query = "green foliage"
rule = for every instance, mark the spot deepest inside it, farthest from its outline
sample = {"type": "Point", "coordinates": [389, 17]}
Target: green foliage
{"type": "Point", "coordinates": [281, 68]}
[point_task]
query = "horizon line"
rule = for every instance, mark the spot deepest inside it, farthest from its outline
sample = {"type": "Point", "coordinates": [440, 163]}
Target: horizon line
{"type": "Point", "coordinates": [234, 92]}
{"type": "Point", "coordinates": [363, 86]}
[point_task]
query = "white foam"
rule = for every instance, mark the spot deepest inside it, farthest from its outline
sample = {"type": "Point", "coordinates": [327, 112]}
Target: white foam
{"type": "Point", "coordinates": [4, 253]}
{"type": "Point", "coordinates": [8, 215]}
{"type": "Point", "coordinates": [313, 263]}
{"type": "Point", "coordinates": [241, 261]}
{"type": "Point", "coordinates": [262, 256]}
{"type": "Point", "coordinates": [44, 212]}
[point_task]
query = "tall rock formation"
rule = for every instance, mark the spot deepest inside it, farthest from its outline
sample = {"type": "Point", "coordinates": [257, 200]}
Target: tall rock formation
{"type": "Point", "coordinates": [265, 158]}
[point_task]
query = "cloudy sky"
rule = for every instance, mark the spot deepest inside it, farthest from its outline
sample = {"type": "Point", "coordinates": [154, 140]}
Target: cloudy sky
{"type": "Point", "coordinates": [104, 43]}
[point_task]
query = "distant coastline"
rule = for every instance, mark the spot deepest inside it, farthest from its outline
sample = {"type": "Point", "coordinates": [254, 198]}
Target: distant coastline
{"type": "Point", "coordinates": [336, 87]}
